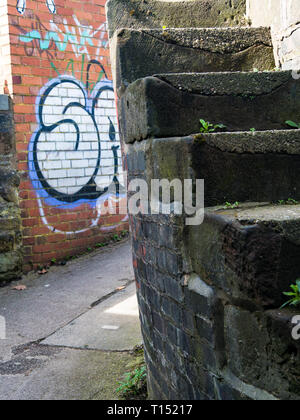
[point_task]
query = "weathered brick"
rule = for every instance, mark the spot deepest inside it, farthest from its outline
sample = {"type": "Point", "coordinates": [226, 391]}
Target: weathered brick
{"type": "Point", "coordinates": [170, 310]}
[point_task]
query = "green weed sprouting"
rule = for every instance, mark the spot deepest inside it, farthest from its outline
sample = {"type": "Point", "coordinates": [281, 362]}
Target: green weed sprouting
{"type": "Point", "coordinates": [207, 127]}
{"type": "Point", "coordinates": [232, 205]}
{"type": "Point", "coordinates": [294, 295]}
{"type": "Point", "coordinates": [293, 124]}
{"type": "Point", "coordinates": [134, 383]}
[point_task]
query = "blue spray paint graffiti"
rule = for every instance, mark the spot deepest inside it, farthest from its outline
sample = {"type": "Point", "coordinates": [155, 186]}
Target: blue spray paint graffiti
{"type": "Point", "coordinates": [79, 37]}
{"type": "Point", "coordinates": [45, 43]}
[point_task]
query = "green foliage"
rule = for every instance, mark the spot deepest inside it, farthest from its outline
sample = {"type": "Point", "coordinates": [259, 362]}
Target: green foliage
{"type": "Point", "coordinates": [232, 205]}
{"type": "Point", "coordinates": [134, 383]}
{"type": "Point", "coordinates": [100, 245]}
{"type": "Point", "coordinates": [293, 124]}
{"type": "Point", "coordinates": [207, 127]}
{"type": "Point", "coordinates": [294, 295]}
{"type": "Point", "coordinates": [289, 202]}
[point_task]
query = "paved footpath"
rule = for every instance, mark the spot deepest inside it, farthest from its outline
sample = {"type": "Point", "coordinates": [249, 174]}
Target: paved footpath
{"type": "Point", "coordinates": [70, 333]}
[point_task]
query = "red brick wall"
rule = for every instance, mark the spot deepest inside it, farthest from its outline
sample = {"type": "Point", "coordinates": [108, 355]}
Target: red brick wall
{"type": "Point", "coordinates": [5, 58]}
{"type": "Point", "coordinates": [68, 148]}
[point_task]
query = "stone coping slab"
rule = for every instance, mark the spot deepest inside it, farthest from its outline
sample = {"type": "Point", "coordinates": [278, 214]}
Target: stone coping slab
{"type": "Point", "coordinates": [260, 166]}
{"type": "Point", "coordinates": [172, 105]}
{"type": "Point", "coordinates": [228, 83]}
{"type": "Point", "coordinates": [189, 50]}
{"type": "Point", "coordinates": [176, 14]}
{"type": "Point", "coordinates": [281, 141]}
{"type": "Point", "coordinates": [253, 213]}
{"type": "Point", "coordinates": [252, 253]}
{"type": "Point", "coordinates": [219, 40]}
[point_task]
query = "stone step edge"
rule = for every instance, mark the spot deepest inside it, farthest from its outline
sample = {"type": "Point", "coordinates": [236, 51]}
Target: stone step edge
{"type": "Point", "coordinates": [268, 141]}
{"type": "Point", "coordinates": [286, 141]}
{"type": "Point", "coordinates": [256, 212]}
{"type": "Point", "coordinates": [215, 40]}
{"type": "Point", "coordinates": [225, 83]}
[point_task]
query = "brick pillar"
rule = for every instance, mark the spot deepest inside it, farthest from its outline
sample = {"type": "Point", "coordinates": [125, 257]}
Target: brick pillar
{"type": "Point", "coordinates": [68, 148]}
{"type": "Point", "coordinates": [5, 67]}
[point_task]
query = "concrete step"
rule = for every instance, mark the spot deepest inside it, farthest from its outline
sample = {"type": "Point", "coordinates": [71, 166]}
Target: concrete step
{"type": "Point", "coordinates": [237, 167]}
{"type": "Point", "coordinates": [252, 253]}
{"type": "Point", "coordinates": [172, 104]}
{"type": "Point", "coordinates": [174, 14]}
{"type": "Point", "coordinates": [190, 50]}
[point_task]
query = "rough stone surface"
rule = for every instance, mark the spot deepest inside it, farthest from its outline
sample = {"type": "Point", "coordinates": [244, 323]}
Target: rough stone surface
{"type": "Point", "coordinates": [252, 253]}
{"type": "Point", "coordinates": [172, 105]}
{"type": "Point", "coordinates": [174, 14]}
{"type": "Point", "coordinates": [229, 161]}
{"type": "Point", "coordinates": [204, 349]}
{"type": "Point", "coordinates": [209, 294]}
{"type": "Point", "coordinates": [10, 221]}
{"type": "Point", "coordinates": [190, 50]}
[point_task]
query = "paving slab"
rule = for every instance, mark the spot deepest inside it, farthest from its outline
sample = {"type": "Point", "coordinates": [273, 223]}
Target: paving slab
{"type": "Point", "coordinates": [46, 373]}
{"type": "Point", "coordinates": [111, 325]}
{"type": "Point", "coordinates": [91, 300]}
{"type": "Point", "coordinates": [52, 301]}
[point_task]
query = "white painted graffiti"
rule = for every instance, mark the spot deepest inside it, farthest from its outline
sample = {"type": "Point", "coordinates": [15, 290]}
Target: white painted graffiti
{"type": "Point", "coordinates": [21, 6]}
{"type": "Point", "coordinates": [2, 328]}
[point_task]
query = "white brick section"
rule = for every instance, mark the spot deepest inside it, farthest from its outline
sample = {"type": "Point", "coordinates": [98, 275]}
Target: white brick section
{"type": "Point", "coordinates": [66, 163]}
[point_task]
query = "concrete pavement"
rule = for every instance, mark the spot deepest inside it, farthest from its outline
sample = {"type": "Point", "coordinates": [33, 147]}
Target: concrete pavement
{"type": "Point", "coordinates": [69, 334]}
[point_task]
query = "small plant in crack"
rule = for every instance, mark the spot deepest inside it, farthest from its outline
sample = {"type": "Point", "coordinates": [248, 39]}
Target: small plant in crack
{"type": "Point", "coordinates": [288, 202]}
{"type": "Point", "coordinates": [294, 295]}
{"type": "Point", "coordinates": [231, 205]}
{"type": "Point", "coordinates": [207, 127]}
{"type": "Point", "coordinates": [134, 383]}
{"type": "Point", "coordinates": [292, 124]}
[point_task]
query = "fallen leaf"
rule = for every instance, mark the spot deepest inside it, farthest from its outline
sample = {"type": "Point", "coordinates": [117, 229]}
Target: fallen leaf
{"type": "Point", "coordinates": [19, 287]}
{"type": "Point", "coordinates": [44, 271]}
{"type": "Point", "coordinates": [121, 288]}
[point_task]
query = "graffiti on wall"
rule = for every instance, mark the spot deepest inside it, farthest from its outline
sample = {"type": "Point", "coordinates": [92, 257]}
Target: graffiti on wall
{"type": "Point", "coordinates": [74, 154]}
{"type": "Point", "coordinates": [21, 6]}
{"type": "Point", "coordinates": [56, 39]}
